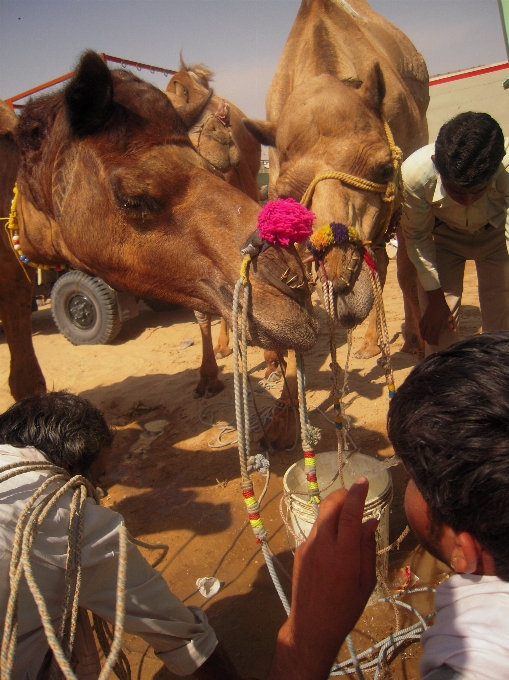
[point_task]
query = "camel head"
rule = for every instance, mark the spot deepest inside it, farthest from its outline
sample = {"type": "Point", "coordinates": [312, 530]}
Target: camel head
{"type": "Point", "coordinates": [110, 183]}
{"type": "Point", "coordinates": [330, 126]}
{"type": "Point", "coordinates": [211, 134]}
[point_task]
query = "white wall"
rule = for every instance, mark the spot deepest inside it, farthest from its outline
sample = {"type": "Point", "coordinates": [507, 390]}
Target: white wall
{"type": "Point", "coordinates": [482, 92]}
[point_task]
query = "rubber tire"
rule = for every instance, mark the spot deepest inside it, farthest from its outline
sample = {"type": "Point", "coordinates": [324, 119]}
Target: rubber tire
{"type": "Point", "coordinates": [160, 305]}
{"type": "Point", "coordinates": [96, 298]}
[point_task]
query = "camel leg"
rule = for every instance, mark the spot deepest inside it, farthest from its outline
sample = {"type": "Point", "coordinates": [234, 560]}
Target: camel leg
{"type": "Point", "coordinates": [26, 378]}
{"type": "Point", "coordinates": [407, 279]}
{"type": "Point", "coordinates": [222, 349]}
{"type": "Point", "coordinates": [282, 432]}
{"type": "Point", "coordinates": [369, 347]}
{"type": "Point", "coordinates": [209, 384]}
{"type": "Point", "coordinates": [273, 364]}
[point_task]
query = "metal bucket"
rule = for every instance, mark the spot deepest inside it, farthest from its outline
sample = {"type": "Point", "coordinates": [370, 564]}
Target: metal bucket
{"type": "Point", "coordinates": [302, 514]}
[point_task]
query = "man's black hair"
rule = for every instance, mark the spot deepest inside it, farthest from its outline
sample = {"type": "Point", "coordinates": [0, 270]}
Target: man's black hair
{"type": "Point", "coordinates": [449, 424]}
{"type": "Point", "coordinates": [65, 427]}
{"type": "Point", "coordinates": [469, 149]}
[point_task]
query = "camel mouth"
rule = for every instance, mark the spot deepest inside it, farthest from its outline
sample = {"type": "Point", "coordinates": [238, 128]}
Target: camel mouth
{"type": "Point", "coordinates": [301, 335]}
{"type": "Point", "coordinates": [353, 304]}
{"type": "Point", "coordinates": [347, 320]}
{"type": "Point", "coordinates": [276, 322]}
{"type": "Point", "coordinates": [291, 283]}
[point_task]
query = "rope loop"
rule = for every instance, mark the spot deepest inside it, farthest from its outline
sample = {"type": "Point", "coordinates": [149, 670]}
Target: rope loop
{"type": "Point", "coordinates": [389, 190]}
{"type": "Point", "coordinates": [36, 510]}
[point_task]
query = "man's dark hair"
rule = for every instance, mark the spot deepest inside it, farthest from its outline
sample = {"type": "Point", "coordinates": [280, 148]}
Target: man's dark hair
{"type": "Point", "coordinates": [449, 424]}
{"type": "Point", "coordinates": [65, 427]}
{"type": "Point", "coordinates": [469, 149]}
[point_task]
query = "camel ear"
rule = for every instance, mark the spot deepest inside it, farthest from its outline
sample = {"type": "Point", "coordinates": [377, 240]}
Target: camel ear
{"type": "Point", "coordinates": [189, 113]}
{"type": "Point", "coordinates": [8, 119]}
{"type": "Point", "coordinates": [263, 131]}
{"type": "Point", "coordinates": [372, 89]}
{"type": "Point", "coordinates": [89, 95]}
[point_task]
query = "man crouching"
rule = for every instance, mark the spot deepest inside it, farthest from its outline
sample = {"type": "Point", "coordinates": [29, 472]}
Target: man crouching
{"type": "Point", "coordinates": [44, 442]}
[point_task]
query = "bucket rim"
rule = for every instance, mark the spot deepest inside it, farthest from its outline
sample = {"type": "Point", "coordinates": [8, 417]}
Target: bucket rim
{"type": "Point", "coordinates": [302, 497]}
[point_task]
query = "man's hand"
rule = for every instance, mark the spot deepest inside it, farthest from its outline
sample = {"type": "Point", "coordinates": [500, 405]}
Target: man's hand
{"type": "Point", "coordinates": [333, 577]}
{"type": "Point", "coordinates": [437, 313]}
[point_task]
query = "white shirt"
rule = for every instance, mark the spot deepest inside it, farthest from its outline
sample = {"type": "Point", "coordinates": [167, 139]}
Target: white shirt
{"type": "Point", "coordinates": [471, 629]}
{"type": "Point", "coordinates": [180, 636]}
{"type": "Point", "coordinates": [426, 199]}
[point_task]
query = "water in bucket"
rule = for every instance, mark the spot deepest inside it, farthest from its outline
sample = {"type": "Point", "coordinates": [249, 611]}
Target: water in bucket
{"type": "Point", "coordinates": [302, 514]}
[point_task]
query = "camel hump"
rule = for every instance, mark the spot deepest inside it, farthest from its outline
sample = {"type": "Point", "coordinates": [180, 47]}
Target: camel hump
{"type": "Point", "coordinates": [338, 47]}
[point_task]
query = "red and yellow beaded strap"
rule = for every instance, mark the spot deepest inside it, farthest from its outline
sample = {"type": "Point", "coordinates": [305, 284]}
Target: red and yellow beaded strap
{"type": "Point", "coordinates": [253, 511]}
{"type": "Point", "coordinates": [310, 467]}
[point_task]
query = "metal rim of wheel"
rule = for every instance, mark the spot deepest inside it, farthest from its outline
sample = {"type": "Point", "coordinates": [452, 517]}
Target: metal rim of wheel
{"type": "Point", "coordinates": [85, 309]}
{"type": "Point", "coordinates": [81, 311]}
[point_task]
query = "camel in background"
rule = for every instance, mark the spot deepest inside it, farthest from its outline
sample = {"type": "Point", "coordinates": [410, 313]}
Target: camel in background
{"type": "Point", "coordinates": [343, 72]}
{"type": "Point", "coordinates": [221, 139]}
{"type": "Point", "coordinates": [110, 184]}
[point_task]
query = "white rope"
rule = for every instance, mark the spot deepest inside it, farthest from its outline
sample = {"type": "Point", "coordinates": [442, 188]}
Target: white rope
{"type": "Point", "coordinates": [207, 416]}
{"type": "Point", "coordinates": [387, 648]}
{"type": "Point", "coordinates": [36, 510]}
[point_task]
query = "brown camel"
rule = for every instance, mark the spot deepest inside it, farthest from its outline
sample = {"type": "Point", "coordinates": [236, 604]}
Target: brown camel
{"type": "Point", "coordinates": [110, 184]}
{"type": "Point", "coordinates": [344, 70]}
{"type": "Point", "coordinates": [220, 137]}
{"type": "Point", "coordinates": [15, 288]}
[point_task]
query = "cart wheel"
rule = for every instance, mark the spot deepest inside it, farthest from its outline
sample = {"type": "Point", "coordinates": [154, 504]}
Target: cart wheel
{"type": "Point", "coordinates": [85, 309]}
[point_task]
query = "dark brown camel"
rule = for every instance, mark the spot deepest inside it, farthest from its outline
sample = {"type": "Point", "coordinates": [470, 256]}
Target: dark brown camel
{"type": "Point", "coordinates": [109, 183]}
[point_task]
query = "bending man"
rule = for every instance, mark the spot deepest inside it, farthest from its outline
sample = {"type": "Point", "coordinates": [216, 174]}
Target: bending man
{"type": "Point", "coordinates": [456, 209]}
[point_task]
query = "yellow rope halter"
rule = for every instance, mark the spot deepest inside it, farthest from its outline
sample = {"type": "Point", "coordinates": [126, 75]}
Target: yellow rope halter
{"type": "Point", "coordinates": [388, 190]}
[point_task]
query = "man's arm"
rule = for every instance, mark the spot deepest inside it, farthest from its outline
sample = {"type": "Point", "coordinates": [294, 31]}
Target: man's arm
{"type": "Point", "coordinates": [333, 577]}
{"type": "Point", "coordinates": [181, 636]}
{"type": "Point", "coordinates": [417, 222]}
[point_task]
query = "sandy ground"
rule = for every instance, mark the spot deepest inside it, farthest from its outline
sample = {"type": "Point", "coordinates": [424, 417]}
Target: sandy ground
{"type": "Point", "coordinates": [172, 487]}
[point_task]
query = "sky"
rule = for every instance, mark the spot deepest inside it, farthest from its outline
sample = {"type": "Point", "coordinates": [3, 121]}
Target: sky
{"type": "Point", "coordinates": [240, 40]}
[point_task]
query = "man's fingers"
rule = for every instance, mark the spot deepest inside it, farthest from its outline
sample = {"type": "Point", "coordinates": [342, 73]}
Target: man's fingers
{"type": "Point", "coordinates": [350, 520]}
{"type": "Point", "coordinates": [450, 323]}
{"type": "Point", "coordinates": [368, 554]}
{"type": "Point", "coordinates": [329, 511]}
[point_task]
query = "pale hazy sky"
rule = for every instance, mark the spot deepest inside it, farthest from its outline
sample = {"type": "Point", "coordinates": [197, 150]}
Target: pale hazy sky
{"type": "Point", "coordinates": [241, 40]}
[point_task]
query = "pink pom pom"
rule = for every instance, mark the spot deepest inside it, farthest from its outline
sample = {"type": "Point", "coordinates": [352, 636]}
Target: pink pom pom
{"type": "Point", "coordinates": [285, 221]}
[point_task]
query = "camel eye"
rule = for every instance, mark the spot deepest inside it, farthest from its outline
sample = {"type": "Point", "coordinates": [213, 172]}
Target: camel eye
{"type": "Point", "coordinates": [384, 173]}
{"type": "Point", "coordinates": [139, 205]}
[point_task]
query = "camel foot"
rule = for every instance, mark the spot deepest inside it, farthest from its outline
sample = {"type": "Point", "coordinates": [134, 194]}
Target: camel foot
{"type": "Point", "coordinates": [366, 351]}
{"type": "Point", "coordinates": [222, 353]}
{"type": "Point", "coordinates": [273, 363]}
{"type": "Point", "coordinates": [208, 388]}
{"type": "Point", "coordinates": [282, 432]}
{"type": "Point", "coordinates": [412, 345]}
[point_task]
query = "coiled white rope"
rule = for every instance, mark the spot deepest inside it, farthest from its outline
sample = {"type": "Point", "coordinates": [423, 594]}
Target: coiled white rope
{"type": "Point", "coordinates": [36, 510]}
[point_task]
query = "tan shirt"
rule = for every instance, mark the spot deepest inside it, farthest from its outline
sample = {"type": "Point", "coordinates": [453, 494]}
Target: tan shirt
{"type": "Point", "coordinates": [180, 636]}
{"type": "Point", "coordinates": [426, 199]}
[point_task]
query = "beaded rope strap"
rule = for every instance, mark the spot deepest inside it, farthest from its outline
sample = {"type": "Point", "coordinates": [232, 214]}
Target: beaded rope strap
{"type": "Point", "coordinates": [12, 228]}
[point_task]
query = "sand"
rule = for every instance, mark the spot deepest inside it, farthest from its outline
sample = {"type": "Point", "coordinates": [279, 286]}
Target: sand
{"type": "Point", "coordinates": [172, 487]}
